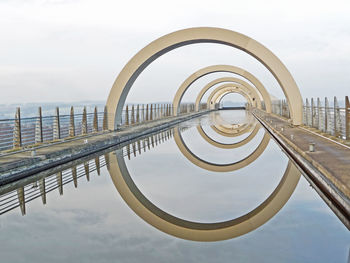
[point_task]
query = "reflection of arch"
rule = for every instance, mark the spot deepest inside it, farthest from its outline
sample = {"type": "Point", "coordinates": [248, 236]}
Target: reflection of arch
{"type": "Point", "coordinates": [232, 132]}
{"type": "Point", "coordinates": [193, 230]}
{"type": "Point", "coordinates": [230, 88]}
{"type": "Point", "coordinates": [130, 72]}
{"type": "Point", "coordinates": [226, 79]}
{"type": "Point", "coordinates": [220, 167]}
{"type": "Point", "coordinates": [228, 145]}
{"type": "Point", "coordinates": [221, 68]}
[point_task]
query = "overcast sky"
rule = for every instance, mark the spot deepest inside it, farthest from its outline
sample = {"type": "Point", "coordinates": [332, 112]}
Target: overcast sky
{"type": "Point", "coordinates": [62, 50]}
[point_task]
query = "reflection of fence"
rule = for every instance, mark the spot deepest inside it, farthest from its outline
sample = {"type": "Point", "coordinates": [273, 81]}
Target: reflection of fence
{"type": "Point", "coordinates": [39, 188]}
{"type": "Point", "coordinates": [31, 189]}
{"type": "Point", "coordinates": [324, 116]}
{"type": "Point", "coordinates": [25, 132]}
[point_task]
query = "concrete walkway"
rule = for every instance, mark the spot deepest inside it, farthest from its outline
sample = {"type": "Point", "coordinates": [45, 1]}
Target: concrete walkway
{"type": "Point", "coordinates": [21, 164]}
{"type": "Point", "coordinates": [330, 158]}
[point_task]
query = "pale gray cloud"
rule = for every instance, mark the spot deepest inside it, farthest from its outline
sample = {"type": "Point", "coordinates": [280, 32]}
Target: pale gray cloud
{"type": "Point", "coordinates": [62, 50]}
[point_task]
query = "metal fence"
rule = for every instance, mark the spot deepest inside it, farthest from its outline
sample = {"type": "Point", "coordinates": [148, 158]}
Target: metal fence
{"type": "Point", "coordinates": [32, 131]}
{"type": "Point", "coordinates": [325, 116]}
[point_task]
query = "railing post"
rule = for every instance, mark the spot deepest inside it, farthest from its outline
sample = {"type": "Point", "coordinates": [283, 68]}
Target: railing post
{"type": "Point", "coordinates": [39, 127]}
{"type": "Point", "coordinates": [17, 135]}
{"type": "Point", "coordinates": [56, 125]}
{"type": "Point", "coordinates": [138, 114]}
{"type": "Point", "coordinates": [319, 115]}
{"type": "Point", "coordinates": [132, 114]}
{"type": "Point", "coordinates": [84, 122]}
{"type": "Point", "coordinates": [95, 122]}
{"type": "Point", "coordinates": [143, 113]}
{"type": "Point", "coordinates": [147, 112]}
{"type": "Point", "coordinates": [105, 119]}
{"type": "Point", "coordinates": [312, 113]}
{"type": "Point", "coordinates": [127, 115]}
{"type": "Point", "coordinates": [347, 118]}
{"type": "Point", "coordinates": [337, 120]}
{"type": "Point", "coordinates": [327, 116]}
{"type": "Point", "coordinates": [151, 112]}
{"type": "Point", "coordinates": [71, 123]}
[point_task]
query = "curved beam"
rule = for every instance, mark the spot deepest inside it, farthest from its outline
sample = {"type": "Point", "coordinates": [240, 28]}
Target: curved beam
{"type": "Point", "coordinates": [130, 72]}
{"type": "Point", "coordinates": [220, 68]}
{"type": "Point", "coordinates": [196, 231]}
{"type": "Point", "coordinates": [220, 167]}
{"type": "Point", "coordinates": [227, 79]}
{"type": "Point", "coordinates": [229, 88]}
{"type": "Point", "coordinates": [228, 145]}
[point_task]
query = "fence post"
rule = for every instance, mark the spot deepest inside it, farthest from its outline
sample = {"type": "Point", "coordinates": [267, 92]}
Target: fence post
{"type": "Point", "coordinates": [56, 125]}
{"type": "Point", "coordinates": [132, 114]}
{"type": "Point", "coordinates": [147, 112]}
{"type": "Point", "coordinates": [71, 123]}
{"type": "Point", "coordinates": [84, 122]}
{"type": "Point", "coordinates": [143, 113]}
{"type": "Point", "coordinates": [337, 120]}
{"type": "Point", "coordinates": [312, 113]}
{"type": "Point", "coordinates": [319, 115]}
{"type": "Point", "coordinates": [39, 127]}
{"type": "Point", "coordinates": [127, 115]}
{"type": "Point", "coordinates": [151, 112]}
{"type": "Point", "coordinates": [17, 136]}
{"type": "Point", "coordinates": [105, 119]}
{"type": "Point", "coordinates": [138, 114]}
{"type": "Point", "coordinates": [347, 118]}
{"type": "Point", "coordinates": [327, 116]}
{"type": "Point", "coordinates": [95, 122]}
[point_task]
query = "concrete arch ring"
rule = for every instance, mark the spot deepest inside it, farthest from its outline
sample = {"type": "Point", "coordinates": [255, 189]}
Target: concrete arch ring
{"type": "Point", "coordinates": [130, 72]}
{"type": "Point", "coordinates": [196, 231]}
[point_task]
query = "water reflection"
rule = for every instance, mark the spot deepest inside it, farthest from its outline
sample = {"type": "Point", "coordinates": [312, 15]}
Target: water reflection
{"type": "Point", "coordinates": [193, 230]}
{"type": "Point", "coordinates": [172, 198]}
{"type": "Point", "coordinates": [196, 231]}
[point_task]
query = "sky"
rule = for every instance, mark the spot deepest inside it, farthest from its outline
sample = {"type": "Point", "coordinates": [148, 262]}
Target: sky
{"type": "Point", "coordinates": [69, 51]}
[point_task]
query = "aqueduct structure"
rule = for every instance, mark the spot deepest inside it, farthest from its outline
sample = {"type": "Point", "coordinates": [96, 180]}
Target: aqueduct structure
{"type": "Point", "coordinates": [162, 45]}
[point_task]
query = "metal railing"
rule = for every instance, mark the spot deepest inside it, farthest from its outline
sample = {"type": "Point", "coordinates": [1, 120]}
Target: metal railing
{"type": "Point", "coordinates": [327, 117]}
{"type": "Point", "coordinates": [25, 132]}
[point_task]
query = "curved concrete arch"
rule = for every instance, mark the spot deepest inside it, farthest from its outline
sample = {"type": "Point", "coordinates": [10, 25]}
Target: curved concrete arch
{"type": "Point", "coordinates": [230, 88]}
{"type": "Point", "coordinates": [220, 167]}
{"type": "Point", "coordinates": [130, 72]}
{"type": "Point", "coordinates": [221, 68]}
{"type": "Point", "coordinates": [196, 231]}
{"type": "Point", "coordinates": [227, 79]}
{"type": "Point", "coordinates": [228, 145]}
{"type": "Point", "coordinates": [217, 98]}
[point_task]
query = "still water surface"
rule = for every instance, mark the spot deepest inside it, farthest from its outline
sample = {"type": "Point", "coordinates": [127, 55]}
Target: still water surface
{"type": "Point", "coordinates": [96, 222]}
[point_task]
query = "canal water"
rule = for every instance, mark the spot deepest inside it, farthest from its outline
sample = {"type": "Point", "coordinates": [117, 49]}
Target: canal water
{"type": "Point", "coordinates": [212, 189]}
